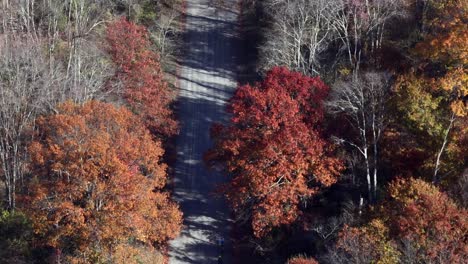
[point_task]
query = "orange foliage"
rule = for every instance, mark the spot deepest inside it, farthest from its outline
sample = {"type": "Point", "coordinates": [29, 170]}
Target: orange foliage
{"type": "Point", "coordinates": [131, 254]}
{"type": "Point", "coordinates": [139, 69]}
{"type": "Point", "coordinates": [447, 46]}
{"type": "Point", "coordinates": [97, 180]}
{"type": "Point", "coordinates": [302, 260]}
{"type": "Point", "coordinates": [416, 221]}
{"type": "Point", "coordinates": [274, 148]}
{"type": "Point", "coordinates": [447, 41]}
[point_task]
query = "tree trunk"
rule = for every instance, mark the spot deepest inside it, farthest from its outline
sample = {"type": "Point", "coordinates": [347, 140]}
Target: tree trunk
{"type": "Point", "coordinates": [368, 176]}
{"type": "Point", "coordinates": [435, 178]}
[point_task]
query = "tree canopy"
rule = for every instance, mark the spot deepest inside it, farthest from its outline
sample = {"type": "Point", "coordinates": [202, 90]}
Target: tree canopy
{"type": "Point", "coordinates": [416, 222]}
{"type": "Point", "coordinates": [274, 148]}
{"type": "Point", "coordinates": [139, 70]}
{"type": "Point", "coordinates": [97, 180]}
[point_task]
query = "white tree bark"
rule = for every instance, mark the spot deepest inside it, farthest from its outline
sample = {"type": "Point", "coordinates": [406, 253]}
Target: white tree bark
{"type": "Point", "coordinates": [362, 101]}
{"type": "Point", "coordinates": [27, 89]}
{"type": "Point", "coordinates": [361, 24]}
{"type": "Point", "coordinates": [34, 76]}
{"type": "Point", "coordinates": [299, 33]}
{"type": "Point", "coordinates": [435, 177]}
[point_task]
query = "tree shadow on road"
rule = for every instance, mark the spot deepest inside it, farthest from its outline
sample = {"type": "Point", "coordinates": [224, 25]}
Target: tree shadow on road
{"type": "Point", "coordinates": [212, 45]}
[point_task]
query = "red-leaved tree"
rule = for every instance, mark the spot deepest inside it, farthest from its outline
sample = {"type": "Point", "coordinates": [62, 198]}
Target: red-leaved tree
{"type": "Point", "coordinates": [274, 148]}
{"type": "Point", "coordinates": [140, 72]}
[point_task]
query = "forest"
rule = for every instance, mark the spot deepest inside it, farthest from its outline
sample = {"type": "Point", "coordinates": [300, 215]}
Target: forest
{"type": "Point", "coordinates": [347, 138]}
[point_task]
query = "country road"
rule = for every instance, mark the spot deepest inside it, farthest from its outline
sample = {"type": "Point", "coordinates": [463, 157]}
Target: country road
{"type": "Point", "coordinates": [207, 80]}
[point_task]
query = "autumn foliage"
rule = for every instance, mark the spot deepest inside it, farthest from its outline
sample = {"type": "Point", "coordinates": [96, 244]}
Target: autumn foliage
{"type": "Point", "coordinates": [274, 149]}
{"type": "Point", "coordinates": [140, 72]}
{"type": "Point", "coordinates": [446, 39]}
{"type": "Point", "coordinates": [366, 244]}
{"type": "Point", "coordinates": [430, 100]}
{"type": "Point", "coordinates": [302, 260]}
{"type": "Point", "coordinates": [97, 181]}
{"type": "Point", "coordinates": [420, 212]}
{"type": "Point", "coordinates": [417, 222]}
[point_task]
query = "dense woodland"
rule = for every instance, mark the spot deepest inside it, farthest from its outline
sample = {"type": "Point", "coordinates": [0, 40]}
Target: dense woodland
{"type": "Point", "coordinates": [349, 146]}
{"type": "Point", "coordinates": [352, 145]}
{"type": "Point", "coordinates": [85, 116]}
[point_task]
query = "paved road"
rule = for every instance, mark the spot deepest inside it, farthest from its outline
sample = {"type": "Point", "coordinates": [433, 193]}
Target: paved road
{"type": "Point", "coordinates": [207, 80]}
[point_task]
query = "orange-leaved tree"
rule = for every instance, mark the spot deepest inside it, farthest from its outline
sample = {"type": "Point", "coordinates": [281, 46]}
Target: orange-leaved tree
{"type": "Point", "coordinates": [139, 70]}
{"type": "Point", "coordinates": [97, 181]}
{"type": "Point", "coordinates": [417, 224]}
{"type": "Point", "coordinates": [274, 148]}
{"type": "Point", "coordinates": [302, 260]}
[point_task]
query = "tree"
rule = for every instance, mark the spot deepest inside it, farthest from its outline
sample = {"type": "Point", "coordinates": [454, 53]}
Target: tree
{"type": "Point", "coordinates": [302, 260]}
{"type": "Point", "coordinates": [139, 70]}
{"type": "Point", "coordinates": [299, 33]}
{"type": "Point", "coordinates": [428, 219]}
{"type": "Point", "coordinates": [363, 102]}
{"type": "Point", "coordinates": [68, 33]}
{"type": "Point", "coordinates": [302, 33]}
{"type": "Point", "coordinates": [45, 57]}
{"type": "Point", "coordinates": [360, 26]}
{"type": "Point", "coordinates": [431, 99]}
{"type": "Point", "coordinates": [417, 223]}
{"type": "Point", "coordinates": [137, 254]}
{"type": "Point", "coordinates": [367, 244]}
{"type": "Point", "coordinates": [444, 39]}
{"type": "Point", "coordinates": [15, 237]}
{"type": "Point", "coordinates": [97, 181]}
{"type": "Point", "coordinates": [436, 118]}
{"type": "Point", "coordinates": [28, 87]}
{"type": "Point", "coordinates": [274, 148]}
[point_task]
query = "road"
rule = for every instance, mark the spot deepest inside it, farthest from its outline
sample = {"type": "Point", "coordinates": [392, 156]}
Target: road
{"type": "Point", "coordinates": [207, 79]}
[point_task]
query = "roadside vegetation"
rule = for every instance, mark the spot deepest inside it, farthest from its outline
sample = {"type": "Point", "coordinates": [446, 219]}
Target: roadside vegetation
{"type": "Point", "coordinates": [85, 112]}
{"type": "Point", "coordinates": [347, 140]}
{"type": "Point", "coordinates": [351, 147]}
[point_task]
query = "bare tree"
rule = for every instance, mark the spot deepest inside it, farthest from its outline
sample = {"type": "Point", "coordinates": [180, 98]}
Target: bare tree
{"type": "Point", "coordinates": [360, 25]}
{"type": "Point", "coordinates": [43, 61]}
{"type": "Point", "coordinates": [299, 33]}
{"type": "Point", "coordinates": [28, 88]}
{"type": "Point", "coordinates": [362, 102]}
{"type": "Point", "coordinates": [164, 32]}
{"type": "Point", "coordinates": [85, 63]}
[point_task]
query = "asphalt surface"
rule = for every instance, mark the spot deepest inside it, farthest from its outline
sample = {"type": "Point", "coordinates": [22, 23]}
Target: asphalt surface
{"type": "Point", "coordinates": [207, 80]}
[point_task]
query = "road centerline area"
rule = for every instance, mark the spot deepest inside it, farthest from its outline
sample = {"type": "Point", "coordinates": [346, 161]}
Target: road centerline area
{"type": "Point", "coordinates": [207, 80]}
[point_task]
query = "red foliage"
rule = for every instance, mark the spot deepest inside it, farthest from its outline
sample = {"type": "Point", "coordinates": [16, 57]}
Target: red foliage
{"type": "Point", "coordinates": [419, 212]}
{"type": "Point", "coordinates": [139, 69]}
{"type": "Point", "coordinates": [274, 148]}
